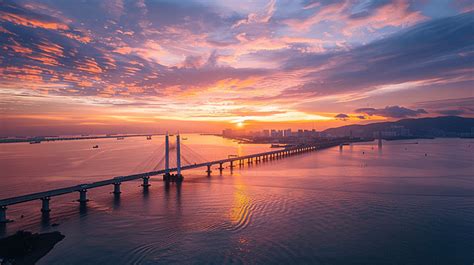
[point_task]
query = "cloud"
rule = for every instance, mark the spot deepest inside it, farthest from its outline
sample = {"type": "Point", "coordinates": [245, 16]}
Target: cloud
{"type": "Point", "coordinates": [369, 15]}
{"type": "Point", "coordinates": [262, 17]}
{"type": "Point", "coordinates": [392, 112]}
{"type": "Point", "coordinates": [454, 106]}
{"type": "Point", "coordinates": [342, 116]}
{"type": "Point", "coordinates": [452, 112]}
{"type": "Point", "coordinates": [439, 51]}
{"type": "Point", "coordinates": [216, 58]}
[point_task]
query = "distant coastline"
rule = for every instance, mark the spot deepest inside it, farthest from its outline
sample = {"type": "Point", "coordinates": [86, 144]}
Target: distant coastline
{"type": "Point", "coordinates": [39, 139]}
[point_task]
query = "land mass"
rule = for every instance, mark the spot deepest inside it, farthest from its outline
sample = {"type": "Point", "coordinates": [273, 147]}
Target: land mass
{"type": "Point", "coordinates": [25, 248]}
{"type": "Point", "coordinates": [446, 126]}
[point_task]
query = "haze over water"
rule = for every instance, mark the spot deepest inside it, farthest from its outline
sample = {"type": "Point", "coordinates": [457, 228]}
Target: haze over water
{"type": "Point", "coordinates": [359, 206]}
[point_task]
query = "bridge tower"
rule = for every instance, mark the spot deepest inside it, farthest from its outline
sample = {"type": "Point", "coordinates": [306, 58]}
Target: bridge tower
{"type": "Point", "coordinates": [167, 176]}
{"type": "Point", "coordinates": [179, 177]}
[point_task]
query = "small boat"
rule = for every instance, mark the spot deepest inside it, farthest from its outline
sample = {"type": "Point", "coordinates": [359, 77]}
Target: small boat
{"type": "Point", "coordinates": [95, 146]}
{"type": "Point", "coordinates": [148, 137]}
{"type": "Point", "coordinates": [184, 138]}
{"type": "Point", "coordinates": [35, 142]}
{"type": "Point", "coordinates": [120, 138]}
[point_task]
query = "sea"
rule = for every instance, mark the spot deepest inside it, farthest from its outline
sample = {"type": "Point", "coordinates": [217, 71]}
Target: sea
{"type": "Point", "coordinates": [408, 202]}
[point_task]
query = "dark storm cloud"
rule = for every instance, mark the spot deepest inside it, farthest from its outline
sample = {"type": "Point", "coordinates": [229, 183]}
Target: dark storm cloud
{"type": "Point", "coordinates": [392, 112]}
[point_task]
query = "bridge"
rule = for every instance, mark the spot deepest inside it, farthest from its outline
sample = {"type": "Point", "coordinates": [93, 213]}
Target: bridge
{"type": "Point", "coordinates": [169, 174]}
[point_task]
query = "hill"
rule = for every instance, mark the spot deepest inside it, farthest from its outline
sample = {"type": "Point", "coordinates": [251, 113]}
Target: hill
{"type": "Point", "coordinates": [446, 126]}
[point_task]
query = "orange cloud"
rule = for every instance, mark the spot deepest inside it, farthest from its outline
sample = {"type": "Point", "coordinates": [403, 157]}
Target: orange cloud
{"type": "Point", "coordinates": [31, 22]}
{"type": "Point", "coordinates": [89, 65]}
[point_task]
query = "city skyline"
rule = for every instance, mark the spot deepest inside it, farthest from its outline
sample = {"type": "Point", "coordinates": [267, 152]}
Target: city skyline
{"type": "Point", "coordinates": [203, 66]}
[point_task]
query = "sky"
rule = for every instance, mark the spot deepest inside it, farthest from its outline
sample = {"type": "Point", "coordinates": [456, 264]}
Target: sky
{"type": "Point", "coordinates": [119, 66]}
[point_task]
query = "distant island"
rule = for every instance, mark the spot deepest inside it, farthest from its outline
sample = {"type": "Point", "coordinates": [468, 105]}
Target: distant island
{"type": "Point", "coordinates": [445, 126]}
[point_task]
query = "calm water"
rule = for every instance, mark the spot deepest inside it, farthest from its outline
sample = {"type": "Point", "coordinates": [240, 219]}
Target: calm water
{"type": "Point", "coordinates": [359, 206]}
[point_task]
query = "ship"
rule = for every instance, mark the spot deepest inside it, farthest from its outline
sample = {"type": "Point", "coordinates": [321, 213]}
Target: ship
{"type": "Point", "coordinates": [95, 146]}
{"type": "Point", "coordinates": [148, 137]}
{"type": "Point", "coordinates": [120, 138]}
{"type": "Point", "coordinates": [35, 142]}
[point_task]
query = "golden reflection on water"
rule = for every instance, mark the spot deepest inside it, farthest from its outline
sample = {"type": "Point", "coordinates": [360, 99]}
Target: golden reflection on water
{"type": "Point", "coordinates": [241, 204]}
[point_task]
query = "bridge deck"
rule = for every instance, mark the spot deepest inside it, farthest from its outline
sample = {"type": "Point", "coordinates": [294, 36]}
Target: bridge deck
{"type": "Point", "coordinates": [76, 188]}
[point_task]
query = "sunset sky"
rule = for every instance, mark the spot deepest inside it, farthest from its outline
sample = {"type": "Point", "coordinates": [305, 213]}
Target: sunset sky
{"type": "Point", "coordinates": [119, 66]}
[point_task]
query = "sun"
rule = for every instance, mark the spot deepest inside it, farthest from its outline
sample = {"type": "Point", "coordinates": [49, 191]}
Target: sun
{"type": "Point", "coordinates": [240, 124]}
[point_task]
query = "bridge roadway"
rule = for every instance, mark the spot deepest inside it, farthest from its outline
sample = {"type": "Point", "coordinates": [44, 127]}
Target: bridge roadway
{"type": "Point", "coordinates": [116, 181]}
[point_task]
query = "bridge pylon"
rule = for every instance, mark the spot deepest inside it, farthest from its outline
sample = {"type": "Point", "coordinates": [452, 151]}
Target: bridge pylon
{"type": "Point", "coordinates": [173, 177]}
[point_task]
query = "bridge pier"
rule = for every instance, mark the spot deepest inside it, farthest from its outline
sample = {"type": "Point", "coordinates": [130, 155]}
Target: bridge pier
{"type": "Point", "coordinates": [83, 196]}
{"type": "Point", "coordinates": [146, 182]}
{"type": "Point", "coordinates": [221, 167]}
{"type": "Point", "coordinates": [249, 161]}
{"type": "Point", "coordinates": [117, 188]}
{"type": "Point", "coordinates": [209, 171]}
{"type": "Point", "coordinates": [241, 162]}
{"type": "Point", "coordinates": [3, 215]}
{"type": "Point", "coordinates": [231, 164]}
{"type": "Point", "coordinates": [45, 205]}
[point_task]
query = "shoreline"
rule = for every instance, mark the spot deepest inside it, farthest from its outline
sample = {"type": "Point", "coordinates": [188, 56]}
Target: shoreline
{"type": "Point", "coordinates": [25, 247]}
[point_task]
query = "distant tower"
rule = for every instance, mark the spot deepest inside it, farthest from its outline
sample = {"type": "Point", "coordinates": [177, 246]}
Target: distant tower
{"type": "Point", "coordinates": [380, 139]}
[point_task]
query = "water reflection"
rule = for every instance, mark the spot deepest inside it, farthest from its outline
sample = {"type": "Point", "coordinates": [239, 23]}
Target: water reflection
{"type": "Point", "coordinates": [116, 201]}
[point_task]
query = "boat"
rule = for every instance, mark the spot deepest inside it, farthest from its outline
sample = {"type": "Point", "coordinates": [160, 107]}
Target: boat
{"type": "Point", "coordinates": [120, 138]}
{"type": "Point", "coordinates": [277, 146]}
{"type": "Point", "coordinates": [148, 137]}
{"type": "Point", "coordinates": [95, 146]}
{"type": "Point", "coordinates": [35, 142]}
{"type": "Point", "coordinates": [185, 138]}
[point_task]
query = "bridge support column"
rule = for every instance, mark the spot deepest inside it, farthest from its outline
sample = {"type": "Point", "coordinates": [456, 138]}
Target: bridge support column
{"type": "Point", "coordinates": [117, 188]}
{"type": "Point", "coordinates": [340, 147]}
{"type": "Point", "coordinates": [249, 161]}
{"type": "Point", "coordinates": [83, 196]}
{"type": "Point", "coordinates": [221, 167]}
{"type": "Point", "coordinates": [45, 205]}
{"type": "Point", "coordinates": [209, 171]}
{"type": "Point", "coordinates": [241, 163]}
{"type": "Point", "coordinates": [146, 182]}
{"type": "Point", "coordinates": [3, 215]}
{"type": "Point", "coordinates": [231, 164]}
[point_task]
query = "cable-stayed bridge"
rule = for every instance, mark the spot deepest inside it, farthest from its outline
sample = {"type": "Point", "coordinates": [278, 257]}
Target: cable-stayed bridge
{"type": "Point", "coordinates": [172, 156]}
